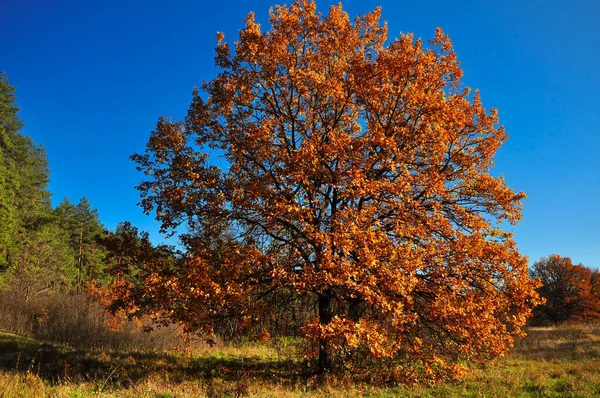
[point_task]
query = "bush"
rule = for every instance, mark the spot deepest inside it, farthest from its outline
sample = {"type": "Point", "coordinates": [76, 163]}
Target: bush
{"type": "Point", "coordinates": [79, 321]}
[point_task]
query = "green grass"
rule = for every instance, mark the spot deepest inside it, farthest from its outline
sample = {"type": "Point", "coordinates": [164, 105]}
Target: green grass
{"type": "Point", "coordinates": [550, 362]}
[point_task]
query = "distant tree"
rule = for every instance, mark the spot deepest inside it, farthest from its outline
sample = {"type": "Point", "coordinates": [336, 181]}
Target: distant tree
{"type": "Point", "coordinates": [130, 262]}
{"type": "Point", "coordinates": [82, 224]}
{"type": "Point", "coordinates": [125, 248]}
{"type": "Point", "coordinates": [332, 165]}
{"type": "Point", "coordinates": [45, 263]}
{"type": "Point", "coordinates": [572, 292]}
{"type": "Point", "coordinates": [588, 295]}
{"type": "Point", "coordinates": [593, 295]}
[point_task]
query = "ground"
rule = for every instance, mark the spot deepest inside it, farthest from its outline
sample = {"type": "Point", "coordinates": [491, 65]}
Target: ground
{"type": "Point", "coordinates": [551, 362]}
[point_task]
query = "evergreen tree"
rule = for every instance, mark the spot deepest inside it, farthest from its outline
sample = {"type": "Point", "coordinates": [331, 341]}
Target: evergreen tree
{"type": "Point", "coordinates": [82, 225]}
{"type": "Point", "coordinates": [34, 253]}
{"type": "Point", "coordinates": [10, 124]}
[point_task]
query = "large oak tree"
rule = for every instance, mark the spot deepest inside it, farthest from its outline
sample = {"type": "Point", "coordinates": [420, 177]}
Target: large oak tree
{"type": "Point", "coordinates": [328, 163]}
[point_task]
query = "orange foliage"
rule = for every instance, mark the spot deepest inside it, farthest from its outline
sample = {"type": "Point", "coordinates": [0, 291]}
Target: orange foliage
{"type": "Point", "coordinates": [571, 292]}
{"type": "Point", "coordinates": [350, 171]}
{"type": "Point", "coordinates": [114, 322]}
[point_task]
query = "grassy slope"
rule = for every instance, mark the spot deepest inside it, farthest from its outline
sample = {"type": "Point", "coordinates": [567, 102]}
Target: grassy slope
{"type": "Point", "coordinates": [550, 362]}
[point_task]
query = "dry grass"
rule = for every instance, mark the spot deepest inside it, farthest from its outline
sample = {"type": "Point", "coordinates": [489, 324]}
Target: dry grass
{"type": "Point", "coordinates": [78, 321]}
{"type": "Point", "coordinates": [551, 362]}
{"type": "Point", "coordinates": [571, 342]}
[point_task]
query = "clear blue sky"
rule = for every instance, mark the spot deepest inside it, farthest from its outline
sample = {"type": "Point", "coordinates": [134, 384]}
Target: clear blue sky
{"type": "Point", "coordinates": [93, 77]}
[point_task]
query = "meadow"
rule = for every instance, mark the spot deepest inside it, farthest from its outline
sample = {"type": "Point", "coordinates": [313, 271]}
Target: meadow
{"type": "Point", "coordinates": [559, 361]}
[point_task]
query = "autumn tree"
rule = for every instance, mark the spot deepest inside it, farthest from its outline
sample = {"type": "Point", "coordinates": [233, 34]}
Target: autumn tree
{"type": "Point", "coordinates": [571, 291]}
{"type": "Point", "coordinates": [329, 164]}
{"type": "Point", "coordinates": [127, 252]}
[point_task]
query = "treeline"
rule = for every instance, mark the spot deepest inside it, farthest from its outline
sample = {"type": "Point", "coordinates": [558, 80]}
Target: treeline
{"type": "Point", "coordinates": [54, 260]}
{"type": "Point", "coordinates": [41, 247]}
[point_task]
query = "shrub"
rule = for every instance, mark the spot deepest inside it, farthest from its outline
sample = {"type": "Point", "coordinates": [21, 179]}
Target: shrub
{"type": "Point", "coordinates": [80, 321]}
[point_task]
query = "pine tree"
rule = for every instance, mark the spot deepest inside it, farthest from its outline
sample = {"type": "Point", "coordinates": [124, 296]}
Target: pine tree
{"type": "Point", "coordinates": [82, 225]}
{"type": "Point", "coordinates": [10, 124]}
{"type": "Point", "coordinates": [34, 252]}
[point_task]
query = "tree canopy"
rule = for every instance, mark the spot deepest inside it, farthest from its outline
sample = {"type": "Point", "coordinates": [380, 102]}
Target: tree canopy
{"type": "Point", "coordinates": [571, 291]}
{"type": "Point", "coordinates": [327, 164]}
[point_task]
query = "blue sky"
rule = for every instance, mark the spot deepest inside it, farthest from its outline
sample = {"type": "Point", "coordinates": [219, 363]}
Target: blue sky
{"type": "Point", "coordinates": [93, 77]}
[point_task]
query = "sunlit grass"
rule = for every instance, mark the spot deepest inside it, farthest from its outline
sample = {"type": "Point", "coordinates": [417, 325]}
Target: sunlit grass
{"type": "Point", "coordinates": [550, 362]}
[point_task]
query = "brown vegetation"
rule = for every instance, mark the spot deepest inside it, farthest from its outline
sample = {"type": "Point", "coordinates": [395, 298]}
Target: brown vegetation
{"type": "Point", "coordinates": [78, 320]}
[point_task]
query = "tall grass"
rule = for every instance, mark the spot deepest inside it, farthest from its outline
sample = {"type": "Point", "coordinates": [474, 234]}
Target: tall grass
{"type": "Point", "coordinates": [79, 321]}
{"type": "Point", "coordinates": [566, 342]}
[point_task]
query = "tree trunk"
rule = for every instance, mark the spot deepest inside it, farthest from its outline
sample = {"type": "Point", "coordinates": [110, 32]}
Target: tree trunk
{"type": "Point", "coordinates": [324, 362]}
{"type": "Point", "coordinates": [354, 309]}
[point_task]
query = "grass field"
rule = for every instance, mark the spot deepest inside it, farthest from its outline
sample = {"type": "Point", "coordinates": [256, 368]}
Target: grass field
{"type": "Point", "coordinates": [551, 362]}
